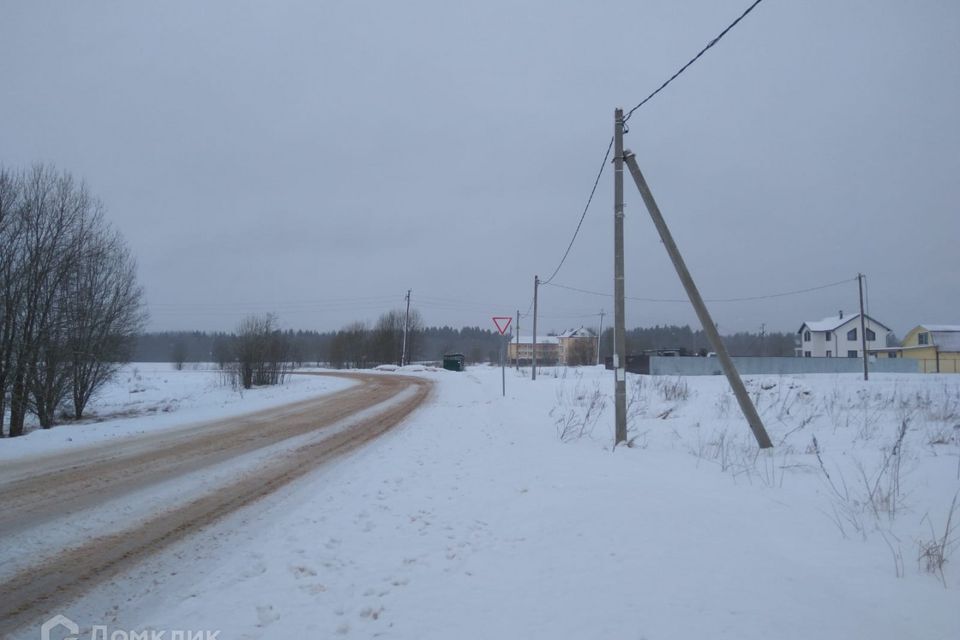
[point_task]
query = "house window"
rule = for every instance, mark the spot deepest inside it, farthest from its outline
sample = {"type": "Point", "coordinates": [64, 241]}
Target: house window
{"type": "Point", "coordinates": [852, 353]}
{"type": "Point", "coordinates": [829, 335]}
{"type": "Point", "coordinates": [829, 354]}
{"type": "Point", "coordinates": [871, 336]}
{"type": "Point", "coordinates": [806, 354]}
{"type": "Point", "coordinates": [923, 338]}
{"type": "Point", "coordinates": [852, 334]}
{"type": "Point", "coordinates": [806, 336]}
{"type": "Point", "coordinates": [892, 354]}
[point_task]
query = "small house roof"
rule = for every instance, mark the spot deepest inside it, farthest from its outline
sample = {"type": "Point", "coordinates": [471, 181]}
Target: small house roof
{"type": "Point", "coordinates": [941, 327]}
{"type": "Point", "coordinates": [540, 340]}
{"type": "Point", "coordinates": [946, 340]}
{"type": "Point", "coordinates": [946, 337]}
{"type": "Point", "coordinates": [577, 333]}
{"type": "Point", "coordinates": [835, 322]}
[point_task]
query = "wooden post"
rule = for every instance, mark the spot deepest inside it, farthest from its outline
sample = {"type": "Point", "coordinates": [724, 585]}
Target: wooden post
{"type": "Point", "coordinates": [406, 323]}
{"type": "Point", "coordinates": [536, 286]}
{"type": "Point", "coordinates": [600, 335]}
{"type": "Point", "coordinates": [503, 364]}
{"type": "Point", "coordinates": [743, 398]}
{"type": "Point", "coordinates": [863, 328]}
{"type": "Point", "coordinates": [516, 355]}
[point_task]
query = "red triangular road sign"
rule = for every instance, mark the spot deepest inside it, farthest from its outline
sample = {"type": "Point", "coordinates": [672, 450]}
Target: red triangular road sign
{"type": "Point", "coordinates": [502, 322]}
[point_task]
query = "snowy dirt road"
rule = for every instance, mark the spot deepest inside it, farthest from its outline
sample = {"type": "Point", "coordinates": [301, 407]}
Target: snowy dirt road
{"type": "Point", "coordinates": [75, 519]}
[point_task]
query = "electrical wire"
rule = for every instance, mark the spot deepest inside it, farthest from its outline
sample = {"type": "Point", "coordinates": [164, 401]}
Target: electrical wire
{"type": "Point", "coordinates": [583, 215]}
{"type": "Point", "coordinates": [740, 299]}
{"type": "Point", "coordinates": [570, 316]}
{"type": "Point", "coordinates": [692, 60]}
{"type": "Point", "coordinates": [526, 314]}
{"type": "Point", "coordinates": [866, 294]}
{"type": "Point", "coordinates": [606, 156]}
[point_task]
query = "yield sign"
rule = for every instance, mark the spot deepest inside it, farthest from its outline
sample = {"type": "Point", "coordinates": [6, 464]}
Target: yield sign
{"type": "Point", "coordinates": [502, 322]}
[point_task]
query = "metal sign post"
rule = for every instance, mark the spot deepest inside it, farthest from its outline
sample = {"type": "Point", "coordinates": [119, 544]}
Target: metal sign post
{"type": "Point", "coordinates": [503, 323]}
{"type": "Point", "coordinates": [503, 365]}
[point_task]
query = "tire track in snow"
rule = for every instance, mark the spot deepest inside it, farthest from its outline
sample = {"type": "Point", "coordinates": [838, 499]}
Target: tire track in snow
{"type": "Point", "coordinates": [32, 593]}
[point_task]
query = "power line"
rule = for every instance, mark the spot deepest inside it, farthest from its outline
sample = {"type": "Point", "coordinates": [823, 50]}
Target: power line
{"type": "Point", "coordinates": [606, 157]}
{"type": "Point", "coordinates": [692, 60]}
{"type": "Point", "coordinates": [784, 294]}
{"type": "Point", "coordinates": [583, 215]}
{"type": "Point", "coordinates": [570, 317]}
{"type": "Point", "coordinates": [526, 313]}
{"type": "Point", "coordinates": [740, 299]}
{"type": "Point", "coordinates": [627, 117]}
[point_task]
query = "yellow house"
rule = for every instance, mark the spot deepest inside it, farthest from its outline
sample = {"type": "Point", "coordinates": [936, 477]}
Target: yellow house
{"type": "Point", "coordinates": [578, 347]}
{"type": "Point", "coordinates": [521, 347]}
{"type": "Point", "coordinates": [936, 346]}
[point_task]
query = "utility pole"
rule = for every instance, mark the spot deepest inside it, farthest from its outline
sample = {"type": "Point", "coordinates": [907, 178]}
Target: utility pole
{"type": "Point", "coordinates": [863, 328]}
{"type": "Point", "coordinates": [619, 322]}
{"type": "Point", "coordinates": [536, 285]}
{"type": "Point", "coordinates": [743, 398]}
{"type": "Point", "coordinates": [517, 329]}
{"type": "Point", "coordinates": [599, 335]}
{"type": "Point", "coordinates": [406, 324]}
{"type": "Point", "coordinates": [763, 338]}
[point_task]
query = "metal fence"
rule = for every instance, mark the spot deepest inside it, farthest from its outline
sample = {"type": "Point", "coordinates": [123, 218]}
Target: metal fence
{"type": "Point", "coordinates": [943, 365]}
{"type": "Point", "coordinates": [671, 366]}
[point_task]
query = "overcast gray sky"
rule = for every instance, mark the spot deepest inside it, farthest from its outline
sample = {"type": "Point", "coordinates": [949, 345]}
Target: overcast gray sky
{"type": "Point", "coordinates": [318, 159]}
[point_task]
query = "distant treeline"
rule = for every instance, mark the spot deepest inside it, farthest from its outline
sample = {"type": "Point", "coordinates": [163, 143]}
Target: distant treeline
{"type": "Point", "coordinates": [351, 346]}
{"type": "Point", "coordinates": [360, 346]}
{"type": "Point", "coordinates": [694, 342]}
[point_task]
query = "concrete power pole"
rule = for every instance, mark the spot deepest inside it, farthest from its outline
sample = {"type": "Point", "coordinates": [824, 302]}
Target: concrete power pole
{"type": "Point", "coordinates": [406, 324]}
{"type": "Point", "coordinates": [743, 398]}
{"type": "Point", "coordinates": [600, 335]}
{"type": "Point", "coordinates": [536, 285]}
{"type": "Point", "coordinates": [619, 322]}
{"type": "Point", "coordinates": [863, 328]}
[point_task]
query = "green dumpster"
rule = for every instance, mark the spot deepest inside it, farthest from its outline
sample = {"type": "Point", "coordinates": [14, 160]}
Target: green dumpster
{"type": "Point", "coordinates": [453, 361]}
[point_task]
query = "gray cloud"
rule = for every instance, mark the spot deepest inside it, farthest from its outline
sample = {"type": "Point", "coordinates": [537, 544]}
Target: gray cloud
{"type": "Point", "coordinates": [279, 155]}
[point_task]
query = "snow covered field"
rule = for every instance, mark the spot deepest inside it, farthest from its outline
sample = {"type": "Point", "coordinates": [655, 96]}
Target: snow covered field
{"type": "Point", "coordinates": [490, 517]}
{"type": "Point", "coordinates": [150, 396]}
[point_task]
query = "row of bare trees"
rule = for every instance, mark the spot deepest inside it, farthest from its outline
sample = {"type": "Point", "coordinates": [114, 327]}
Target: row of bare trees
{"type": "Point", "coordinates": [357, 346]}
{"type": "Point", "coordinates": [70, 306]}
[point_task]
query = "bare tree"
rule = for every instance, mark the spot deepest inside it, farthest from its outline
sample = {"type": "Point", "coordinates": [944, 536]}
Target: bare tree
{"type": "Point", "coordinates": [178, 354]}
{"type": "Point", "coordinates": [50, 377]}
{"type": "Point", "coordinates": [69, 304]}
{"type": "Point", "coordinates": [263, 352]}
{"type": "Point", "coordinates": [386, 340]}
{"type": "Point", "coordinates": [105, 313]}
{"type": "Point", "coordinates": [52, 209]}
{"type": "Point", "coordinates": [222, 351]}
{"type": "Point", "coordinates": [348, 347]}
{"type": "Point", "coordinates": [582, 351]}
{"type": "Point", "coordinates": [11, 235]}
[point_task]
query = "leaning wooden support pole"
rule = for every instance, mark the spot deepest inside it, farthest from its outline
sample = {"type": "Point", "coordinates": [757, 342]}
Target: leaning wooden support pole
{"type": "Point", "coordinates": [746, 405]}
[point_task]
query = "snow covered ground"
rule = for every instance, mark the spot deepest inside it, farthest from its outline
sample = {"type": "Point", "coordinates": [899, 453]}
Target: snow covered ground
{"type": "Point", "coordinates": [146, 397]}
{"type": "Point", "coordinates": [491, 517]}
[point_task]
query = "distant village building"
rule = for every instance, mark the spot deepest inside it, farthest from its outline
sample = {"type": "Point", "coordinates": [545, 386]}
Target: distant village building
{"type": "Point", "coordinates": [548, 350]}
{"type": "Point", "coordinates": [572, 347]}
{"type": "Point", "coordinates": [839, 337]}
{"type": "Point", "coordinates": [578, 347]}
{"type": "Point", "coordinates": [936, 346]}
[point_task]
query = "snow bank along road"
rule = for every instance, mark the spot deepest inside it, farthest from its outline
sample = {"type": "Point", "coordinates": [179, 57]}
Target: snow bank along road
{"type": "Point", "coordinates": [72, 520]}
